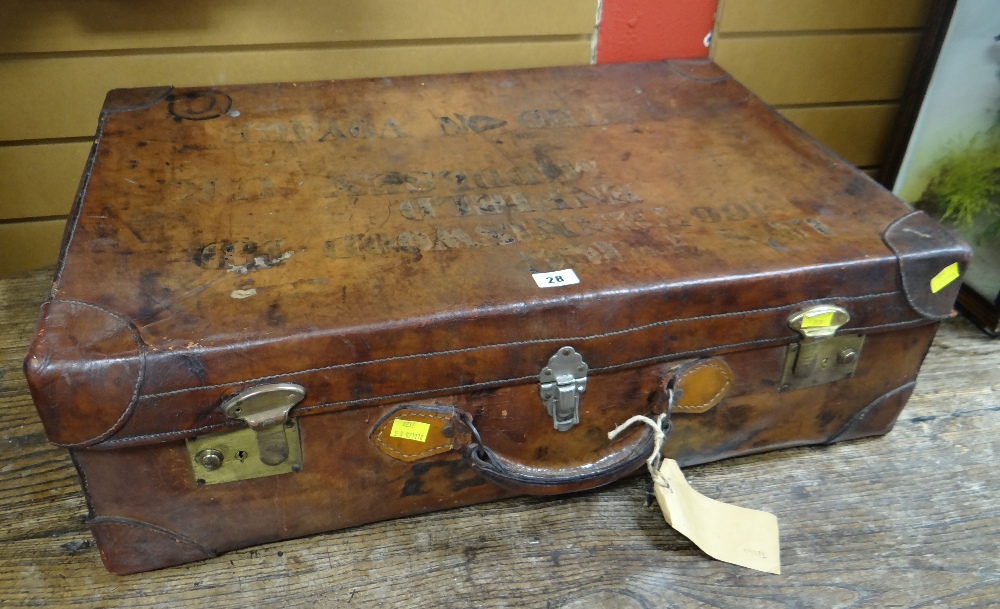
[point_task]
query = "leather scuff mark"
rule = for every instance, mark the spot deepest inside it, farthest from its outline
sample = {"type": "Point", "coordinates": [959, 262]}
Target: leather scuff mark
{"type": "Point", "coordinates": [258, 263]}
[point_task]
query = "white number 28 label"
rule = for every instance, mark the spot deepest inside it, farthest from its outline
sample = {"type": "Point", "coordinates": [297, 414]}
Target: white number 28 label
{"type": "Point", "coordinates": [555, 278]}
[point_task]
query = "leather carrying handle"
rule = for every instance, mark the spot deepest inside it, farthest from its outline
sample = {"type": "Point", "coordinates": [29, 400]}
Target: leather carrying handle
{"type": "Point", "coordinates": [631, 454]}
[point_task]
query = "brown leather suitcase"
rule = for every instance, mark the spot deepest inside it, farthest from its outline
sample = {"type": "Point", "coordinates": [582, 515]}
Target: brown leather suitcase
{"type": "Point", "coordinates": [292, 308]}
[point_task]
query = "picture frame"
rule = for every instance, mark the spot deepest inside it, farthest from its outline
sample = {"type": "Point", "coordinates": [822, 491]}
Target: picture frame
{"type": "Point", "coordinates": [943, 155]}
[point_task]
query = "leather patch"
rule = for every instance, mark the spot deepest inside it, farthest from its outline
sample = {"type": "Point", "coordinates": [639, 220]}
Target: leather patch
{"type": "Point", "coordinates": [85, 371]}
{"type": "Point", "coordinates": [131, 546]}
{"type": "Point", "coordinates": [927, 253]}
{"type": "Point", "coordinates": [413, 433]}
{"type": "Point", "coordinates": [703, 385]}
{"type": "Point", "coordinates": [876, 418]}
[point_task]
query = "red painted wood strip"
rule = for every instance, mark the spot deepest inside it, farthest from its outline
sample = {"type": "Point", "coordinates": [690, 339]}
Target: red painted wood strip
{"type": "Point", "coordinates": [646, 30]}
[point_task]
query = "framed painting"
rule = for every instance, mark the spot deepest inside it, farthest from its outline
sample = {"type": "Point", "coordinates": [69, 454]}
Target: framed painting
{"type": "Point", "coordinates": [950, 124]}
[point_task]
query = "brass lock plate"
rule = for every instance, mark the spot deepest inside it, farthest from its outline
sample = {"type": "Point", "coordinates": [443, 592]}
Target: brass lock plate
{"type": "Point", "coordinates": [836, 358]}
{"type": "Point", "coordinates": [234, 456]}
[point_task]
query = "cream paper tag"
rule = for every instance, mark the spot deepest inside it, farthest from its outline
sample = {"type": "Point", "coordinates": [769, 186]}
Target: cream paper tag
{"type": "Point", "coordinates": [744, 537]}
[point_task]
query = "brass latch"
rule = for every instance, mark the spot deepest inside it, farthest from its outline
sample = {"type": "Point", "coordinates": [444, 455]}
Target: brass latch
{"type": "Point", "coordinates": [821, 356]}
{"type": "Point", "coordinates": [269, 446]}
{"type": "Point", "coordinates": [562, 382]}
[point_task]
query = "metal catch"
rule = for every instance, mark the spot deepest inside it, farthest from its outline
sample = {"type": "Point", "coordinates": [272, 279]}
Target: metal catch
{"type": "Point", "coordinates": [270, 445]}
{"type": "Point", "coordinates": [562, 382]}
{"type": "Point", "coordinates": [821, 356]}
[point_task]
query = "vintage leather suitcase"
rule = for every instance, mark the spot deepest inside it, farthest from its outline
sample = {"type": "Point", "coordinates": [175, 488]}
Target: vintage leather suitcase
{"type": "Point", "coordinates": [285, 309]}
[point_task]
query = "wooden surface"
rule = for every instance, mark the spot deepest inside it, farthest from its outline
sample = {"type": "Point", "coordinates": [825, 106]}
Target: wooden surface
{"type": "Point", "coordinates": [908, 520]}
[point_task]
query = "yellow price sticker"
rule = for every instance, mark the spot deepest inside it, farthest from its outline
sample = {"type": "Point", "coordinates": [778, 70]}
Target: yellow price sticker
{"type": "Point", "coordinates": [821, 320]}
{"type": "Point", "coordinates": [409, 430]}
{"type": "Point", "coordinates": [947, 275]}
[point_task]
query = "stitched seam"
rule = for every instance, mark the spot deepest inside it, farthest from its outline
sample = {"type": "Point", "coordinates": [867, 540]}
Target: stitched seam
{"type": "Point", "coordinates": [916, 322]}
{"type": "Point", "coordinates": [899, 258]}
{"type": "Point", "coordinates": [410, 394]}
{"type": "Point", "coordinates": [88, 171]}
{"type": "Point", "coordinates": [705, 351]}
{"type": "Point", "coordinates": [84, 483]}
{"type": "Point", "coordinates": [99, 520]}
{"type": "Point", "coordinates": [902, 274]}
{"type": "Point", "coordinates": [448, 390]}
{"type": "Point", "coordinates": [519, 344]}
{"type": "Point", "coordinates": [717, 393]}
{"type": "Point", "coordinates": [864, 412]}
{"type": "Point", "coordinates": [141, 346]}
{"type": "Point", "coordinates": [382, 444]}
{"type": "Point", "coordinates": [166, 435]}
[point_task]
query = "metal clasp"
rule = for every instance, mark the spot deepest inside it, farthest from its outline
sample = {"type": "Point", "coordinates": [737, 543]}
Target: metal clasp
{"type": "Point", "coordinates": [265, 409]}
{"type": "Point", "coordinates": [563, 380]}
{"type": "Point", "coordinates": [270, 445]}
{"type": "Point", "coordinates": [821, 356]}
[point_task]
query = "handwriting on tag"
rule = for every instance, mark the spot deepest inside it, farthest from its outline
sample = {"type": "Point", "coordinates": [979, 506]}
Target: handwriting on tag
{"type": "Point", "coordinates": [732, 534]}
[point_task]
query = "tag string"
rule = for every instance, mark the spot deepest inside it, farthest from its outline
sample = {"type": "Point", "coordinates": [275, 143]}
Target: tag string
{"type": "Point", "coordinates": [659, 435]}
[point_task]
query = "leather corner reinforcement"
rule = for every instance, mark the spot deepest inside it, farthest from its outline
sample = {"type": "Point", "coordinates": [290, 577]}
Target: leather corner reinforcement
{"type": "Point", "coordinates": [925, 250]}
{"type": "Point", "coordinates": [85, 371]}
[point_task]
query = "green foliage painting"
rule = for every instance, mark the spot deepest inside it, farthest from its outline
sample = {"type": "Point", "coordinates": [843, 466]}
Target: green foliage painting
{"type": "Point", "coordinates": [965, 188]}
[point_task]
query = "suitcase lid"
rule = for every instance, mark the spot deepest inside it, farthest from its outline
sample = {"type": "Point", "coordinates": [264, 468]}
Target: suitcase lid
{"type": "Point", "coordinates": [389, 239]}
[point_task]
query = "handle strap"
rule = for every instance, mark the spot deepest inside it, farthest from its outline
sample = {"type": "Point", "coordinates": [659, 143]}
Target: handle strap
{"type": "Point", "coordinates": [632, 452]}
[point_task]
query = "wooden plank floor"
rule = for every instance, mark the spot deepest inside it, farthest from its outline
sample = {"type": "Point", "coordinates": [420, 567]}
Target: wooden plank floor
{"type": "Point", "coordinates": [909, 520]}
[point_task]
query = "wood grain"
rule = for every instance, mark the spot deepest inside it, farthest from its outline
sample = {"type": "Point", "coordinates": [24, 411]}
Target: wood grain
{"type": "Point", "coordinates": [857, 132]}
{"type": "Point", "coordinates": [746, 16]}
{"type": "Point", "coordinates": [908, 520]}
{"type": "Point", "coordinates": [820, 69]}
{"type": "Point", "coordinates": [40, 180]}
{"type": "Point", "coordinates": [101, 25]}
{"type": "Point", "coordinates": [61, 97]}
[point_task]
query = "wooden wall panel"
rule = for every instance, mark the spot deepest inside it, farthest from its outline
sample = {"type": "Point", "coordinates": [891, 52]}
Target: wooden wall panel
{"type": "Point", "coordinates": [100, 25]}
{"type": "Point", "coordinates": [61, 96]}
{"type": "Point", "coordinates": [836, 68]}
{"type": "Point", "coordinates": [758, 16]}
{"type": "Point", "coordinates": [857, 133]}
{"type": "Point", "coordinates": [28, 245]}
{"type": "Point", "coordinates": [40, 180]}
{"type": "Point", "coordinates": [803, 69]}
